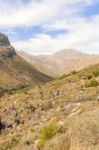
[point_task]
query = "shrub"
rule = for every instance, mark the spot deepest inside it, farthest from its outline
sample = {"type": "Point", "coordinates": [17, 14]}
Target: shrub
{"type": "Point", "coordinates": [96, 73]}
{"type": "Point", "coordinates": [89, 77]}
{"type": "Point", "coordinates": [47, 133]}
{"type": "Point", "coordinates": [64, 76]}
{"type": "Point", "coordinates": [74, 72]}
{"type": "Point", "coordinates": [92, 83]}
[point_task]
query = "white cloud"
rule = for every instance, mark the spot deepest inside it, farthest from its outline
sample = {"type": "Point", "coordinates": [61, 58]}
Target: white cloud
{"type": "Point", "coordinates": [15, 13]}
{"type": "Point", "coordinates": [84, 35]}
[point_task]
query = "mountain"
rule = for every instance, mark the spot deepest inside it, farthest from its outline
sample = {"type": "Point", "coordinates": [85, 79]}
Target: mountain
{"type": "Point", "coordinates": [62, 62]}
{"type": "Point", "coordinates": [15, 71]}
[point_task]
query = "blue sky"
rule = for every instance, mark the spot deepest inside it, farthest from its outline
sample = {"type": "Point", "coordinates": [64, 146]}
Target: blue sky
{"type": "Point", "coordinates": [47, 26]}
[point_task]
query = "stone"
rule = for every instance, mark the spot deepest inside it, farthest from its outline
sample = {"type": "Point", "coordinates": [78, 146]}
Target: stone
{"type": "Point", "coordinates": [4, 40]}
{"type": "Point", "coordinates": [6, 50]}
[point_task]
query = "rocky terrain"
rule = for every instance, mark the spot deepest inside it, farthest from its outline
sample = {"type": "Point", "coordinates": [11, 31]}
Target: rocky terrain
{"type": "Point", "coordinates": [15, 71]}
{"type": "Point", "coordinates": [47, 114]}
{"type": "Point", "coordinates": [62, 62]}
{"type": "Point", "coordinates": [60, 115]}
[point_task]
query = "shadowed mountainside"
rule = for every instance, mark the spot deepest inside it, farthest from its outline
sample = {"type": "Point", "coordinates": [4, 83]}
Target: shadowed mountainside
{"type": "Point", "coordinates": [15, 71]}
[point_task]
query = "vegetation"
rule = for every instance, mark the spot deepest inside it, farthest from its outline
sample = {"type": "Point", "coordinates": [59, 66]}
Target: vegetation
{"type": "Point", "coordinates": [11, 144]}
{"type": "Point", "coordinates": [48, 132]}
{"type": "Point", "coordinates": [89, 76]}
{"type": "Point", "coordinates": [64, 76]}
{"type": "Point", "coordinates": [59, 142]}
{"type": "Point", "coordinates": [92, 83]}
{"type": "Point", "coordinates": [10, 91]}
{"type": "Point", "coordinates": [73, 72]}
{"type": "Point", "coordinates": [96, 73]}
{"type": "Point", "coordinates": [75, 110]}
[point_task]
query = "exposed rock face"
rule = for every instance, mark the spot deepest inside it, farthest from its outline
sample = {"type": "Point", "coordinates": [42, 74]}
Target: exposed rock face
{"type": "Point", "coordinates": [6, 50]}
{"type": "Point", "coordinates": [4, 40]}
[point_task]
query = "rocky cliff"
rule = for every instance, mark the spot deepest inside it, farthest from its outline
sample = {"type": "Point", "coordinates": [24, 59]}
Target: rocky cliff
{"type": "Point", "coordinates": [6, 50]}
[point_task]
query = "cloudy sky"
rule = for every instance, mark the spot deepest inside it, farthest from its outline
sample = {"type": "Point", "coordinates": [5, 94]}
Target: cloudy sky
{"type": "Point", "coordinates": [46, 26]}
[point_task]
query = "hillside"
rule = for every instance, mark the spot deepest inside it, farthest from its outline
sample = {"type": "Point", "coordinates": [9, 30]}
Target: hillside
{"type": "Point", "coordinates": [60, 115]}
{"type": "Point", "coordinates": [62, 62]}
{"type": "Point", "coordinates": [15, 71]}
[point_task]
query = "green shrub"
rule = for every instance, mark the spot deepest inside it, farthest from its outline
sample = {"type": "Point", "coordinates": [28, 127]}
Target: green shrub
{"type": "Point", "coordinates": [92, 83]}
{"type": "Point", "coordinates": [48, 132]}
{"type": "Point", "coordinates": [64, 76]}
{"type": "Point", "coordinates": [89, 77]}
{"type": "Point", "coordinates": [96, 73]}
{"type": "Point", "coordinates": [74, 72]}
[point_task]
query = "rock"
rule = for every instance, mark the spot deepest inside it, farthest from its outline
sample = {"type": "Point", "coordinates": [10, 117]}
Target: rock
{"type": "Point", "coordinates": [6, 50]}
{"type": "Point", "coordinates": [61, 126]}
{"type": "Point", "coordinates": [17, 121]}
{"type": "Point", "coordinates": [10, 126]}
{"type": "Point", "coordinates": [4, 40]}
{"type": "Point", "coordinates": [2, 125]}
{"type": "Point", "coordinates": [48, 105]}
{"type": "Point", "coordinates": [32, 108]}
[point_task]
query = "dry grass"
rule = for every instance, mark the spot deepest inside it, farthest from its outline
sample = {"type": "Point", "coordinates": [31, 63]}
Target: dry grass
{"type": "Point", "coordinates": [60, 142]}
{"type": "Point", "coordinates": [75, 109]}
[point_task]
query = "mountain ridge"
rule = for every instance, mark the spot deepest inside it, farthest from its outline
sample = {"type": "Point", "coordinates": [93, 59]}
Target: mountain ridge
{"type": "Point", "coordinates": [61, 62]}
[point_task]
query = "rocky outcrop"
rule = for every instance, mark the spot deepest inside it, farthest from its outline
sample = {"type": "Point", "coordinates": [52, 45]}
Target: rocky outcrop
{"type": "Point", "coordinates": [6, 50]}
{"type": "Point", "coordinates": [4, 41]}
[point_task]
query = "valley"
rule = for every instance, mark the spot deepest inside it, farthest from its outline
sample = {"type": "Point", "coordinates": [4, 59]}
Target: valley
{"type": "Point", "coordinates": [38, 112]}
{"type": "Point", "coordinates": [49, 74]}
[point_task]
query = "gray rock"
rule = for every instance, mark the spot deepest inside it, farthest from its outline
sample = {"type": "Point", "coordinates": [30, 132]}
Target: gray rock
{"type": "Point", "coordinates": [4, 40]}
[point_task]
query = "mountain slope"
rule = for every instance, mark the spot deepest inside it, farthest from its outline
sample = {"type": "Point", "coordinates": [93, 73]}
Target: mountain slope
{"type": "Point", "coordinates": [62, 62]}
{"type": "Point", "coordinates": [15, 71]}
{"type": "Point", "coordinates": [63, 111]}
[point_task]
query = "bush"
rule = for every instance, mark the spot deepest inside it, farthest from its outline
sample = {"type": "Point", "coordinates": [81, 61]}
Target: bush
{"type": "Point", "coordinates": [64, 76]}
{"type": "Point", "coordinates": [48, 132]}
{"type": "Point", "coordinates": [74, 72]}
{"type": "Point", "coordinates": [96, 73]}
{"type": "Point", "coordinates": [92, 83]}
{"type": "Point", "coordinates": [89, 77]}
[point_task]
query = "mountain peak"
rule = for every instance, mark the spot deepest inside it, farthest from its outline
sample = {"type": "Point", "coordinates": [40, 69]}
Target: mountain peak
{"type": "Point", "coordinates": [6, 50]}
{"type": "Point", "coordinates": [4, 40]}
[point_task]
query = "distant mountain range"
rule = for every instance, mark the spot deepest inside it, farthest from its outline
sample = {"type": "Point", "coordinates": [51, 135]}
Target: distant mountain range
{"type": "Point", "coordinates": [62, 62]}
{"type": "Point", "coordinates": [14, 70]}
